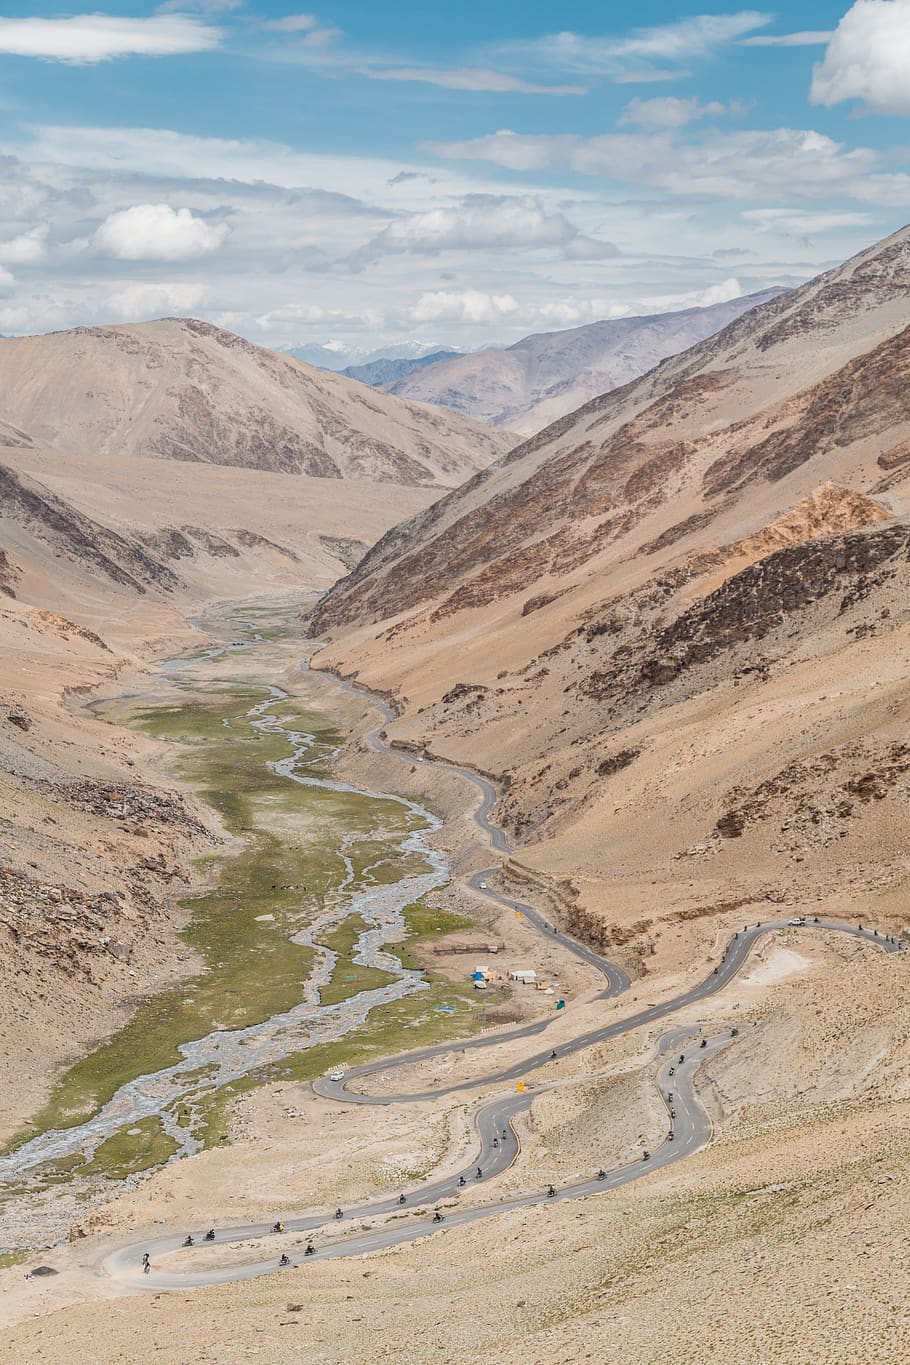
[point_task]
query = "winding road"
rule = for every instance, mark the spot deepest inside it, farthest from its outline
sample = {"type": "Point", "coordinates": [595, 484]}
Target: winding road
{"type": "Point", "coordinates": [391, 1222]}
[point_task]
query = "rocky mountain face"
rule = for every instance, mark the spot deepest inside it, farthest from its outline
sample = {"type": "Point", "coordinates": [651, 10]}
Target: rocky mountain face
{"type": "Point", "coordinates": [542, 377]}
{"type": "Point", "coordinates": [677, 623]}
{"type": "Point", "coordinates": [180, 389]}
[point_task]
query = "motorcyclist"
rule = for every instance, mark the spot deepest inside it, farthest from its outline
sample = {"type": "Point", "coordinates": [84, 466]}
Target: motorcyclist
{"type": "Point", "coordinates": [278, 1227]}
{"type": "Point", "coordinates": [210, 1235]}
{"type": "Point", "coordinates": [670, 1097]}
{"type": "Point", "coordinates": [402, 1199]}
{"type": "Point", "coordinates": [461, 1180]}
{"type": "Point", "coordinates": [189, 1241]}
{"type": "Point", "coordinates": [437, 1217]}
{"type": "Point", "coordinates": [505, 1134]}
{"type": "Point", "coordinates": [338, 1213]}
{"type": "Point", "coordinates": [646, 1156]}
{"type": "Point", "coordinates": [146, 1260]}
{"type": "Point", "coordinates": [552, 1054]}
{"type": "Point", "coordinates": [551, 1190]}
{"type": "Point", "coordinates": [479, 1173]}
{"type": "Point", "coordinates": [704, 1042]}
{"type": "Point", "coordinates": [601, 1174]}
{"type": "Point", "coordinates": [670, 1136]}
{"type": "Point", "coordinates": [285, 1260]}
{"type": "Point", "coordinates": [310, 1250]}
{"type": "Point", "coordinates": [682, 1058]}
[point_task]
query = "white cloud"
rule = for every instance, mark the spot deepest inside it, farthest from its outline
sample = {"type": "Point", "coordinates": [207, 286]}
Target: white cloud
{"type": "Point", "coordinates": [138, 302]}
{"type": "Point", "coordinates": [88, 38]}
{"type": "Point", "coordinates": [308, 38]}
{"type": "Point", "coordinates": [470, 305]}
{"type": "Point", "coordinates": [6, 279]}
{"type": "Point", "coordinates": [297, 218]}
{"type": "Point", "coordinates": [26, 248]}
{"type": "Point", "coordinates": [780, 162]}
{"type": "Point", "coordinates": [634, 54]}
{"type": "Point", "coordinates": [482, 223]}
{"type": "Point", "coordinates": [868, 58]}
{"type": "Point", "coordinates": [14, 319]}
{"type": "Point", "coordinates": [468, 78]}
{"type": "Point", "coordinates": [515, 151]}
{"type": "Point", "coordinates": [672, 112]}
{"type": "Point", "coordinates": [806, 38]}
{"type": "Point", "coordinates": [804, 222]}
{"type": "Point", "coordinates": [722, 292]}
{"type": "Point", "coordinates": [251, 162]}
{"type": "Point", "coordinates": [310, 313]}
{"type": "Point", "coordinates": [156, 232]}
{"type": "Point", "coordinates": [293, 23]}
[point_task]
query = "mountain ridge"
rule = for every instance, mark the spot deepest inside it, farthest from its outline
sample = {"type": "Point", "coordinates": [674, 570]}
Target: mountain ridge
{"type": "Point", "coordinates": [546, 375]}
{"type": "Point", "coordinates": [182, 389]}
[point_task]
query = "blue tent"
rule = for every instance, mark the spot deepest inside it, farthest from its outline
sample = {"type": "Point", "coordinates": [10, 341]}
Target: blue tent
{"type": "Point", "coordinates": [478, 976]}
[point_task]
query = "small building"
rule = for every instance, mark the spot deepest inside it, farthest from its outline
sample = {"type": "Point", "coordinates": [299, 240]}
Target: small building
{"type": "Point", "coordinates": [526, 975]}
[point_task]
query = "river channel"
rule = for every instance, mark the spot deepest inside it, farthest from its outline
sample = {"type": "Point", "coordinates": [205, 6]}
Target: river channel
{"type": "Point", "coordinates": [225, 1056]}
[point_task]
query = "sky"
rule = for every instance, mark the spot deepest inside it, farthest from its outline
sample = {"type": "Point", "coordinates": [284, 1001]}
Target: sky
{"type": "Point", "coordinates": [368, 173]}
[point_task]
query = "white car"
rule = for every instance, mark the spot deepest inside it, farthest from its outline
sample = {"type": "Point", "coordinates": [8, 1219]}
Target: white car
{"type": "Point", "coordinates": [482, 885]}
{"type": "Point", "coordinates": [796, 921]}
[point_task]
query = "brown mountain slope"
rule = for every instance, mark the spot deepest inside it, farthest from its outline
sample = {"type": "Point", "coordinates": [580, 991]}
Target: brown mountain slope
{"type": "Point", "coordinates": [82, 533]}
{"type": "Point", "coordinates": [808, 385]}
{"type": "Point", "coordinates": [542, 377]}
{"type": "Point", "coordinates": [678, 622]}
{"type": "Point", "coordinates": [180, 389]}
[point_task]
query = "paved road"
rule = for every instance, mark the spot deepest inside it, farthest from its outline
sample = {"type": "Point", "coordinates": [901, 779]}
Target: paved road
{"type": "Point", "coordinates": [497, 1144]}
{"type": "Point", "coordinates": [375, 740]}
{"type": "Point", "coordinates": [388, 1223]}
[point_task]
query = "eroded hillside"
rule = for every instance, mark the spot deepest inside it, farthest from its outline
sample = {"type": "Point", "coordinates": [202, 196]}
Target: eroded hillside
{"type": "Point", "coordinates": [676, 623]}
{"type": "Point", "coordinates": [181, 389]}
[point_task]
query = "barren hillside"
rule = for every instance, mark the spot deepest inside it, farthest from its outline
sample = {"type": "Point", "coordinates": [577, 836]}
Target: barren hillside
{"type": "Point", "coordinates": [677, 621]}
{"type": "Point", "coordinates": [179, 389]}
{"type": "Point", "coordinates": [542, 377]}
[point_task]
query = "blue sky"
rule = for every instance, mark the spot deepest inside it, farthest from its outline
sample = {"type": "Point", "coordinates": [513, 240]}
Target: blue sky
{"type": "Point", "coordinates": [367, 172]}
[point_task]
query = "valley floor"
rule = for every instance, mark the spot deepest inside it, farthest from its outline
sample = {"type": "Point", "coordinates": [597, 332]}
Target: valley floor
{"type": "Point", "coordinates": [783, 1241]}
